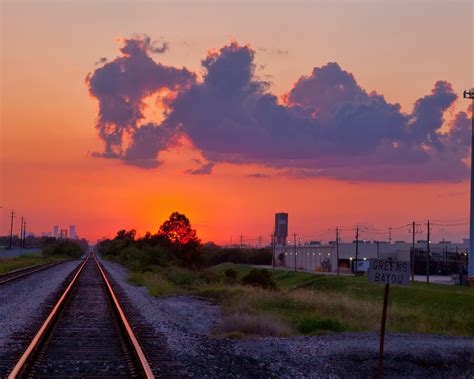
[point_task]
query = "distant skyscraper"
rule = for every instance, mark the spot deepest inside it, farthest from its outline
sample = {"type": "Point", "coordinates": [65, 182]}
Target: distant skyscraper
{"type": "Point", "coordinates": [281, 228]}
{"type": "Point", "coordinates": [72, 232]}
{"type": "Point", "coordinates": [55, 231]}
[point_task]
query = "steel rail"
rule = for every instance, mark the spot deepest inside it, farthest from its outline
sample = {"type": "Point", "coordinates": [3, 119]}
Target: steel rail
{"type": "Point", "coordinates": [21, 364]}
{"type": "Point", "coordinates": [38, 338]}
{"type": "Point", "coordinates": [22, 272]}
{"type": "Point", "coordinates": [138, 350]}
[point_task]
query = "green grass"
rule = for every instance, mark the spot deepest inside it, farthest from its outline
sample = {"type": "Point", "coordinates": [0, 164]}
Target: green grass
{"type": "Point", "coordinates": [15, 263]}
{"type": "Point", "coordinates": [313, 304]}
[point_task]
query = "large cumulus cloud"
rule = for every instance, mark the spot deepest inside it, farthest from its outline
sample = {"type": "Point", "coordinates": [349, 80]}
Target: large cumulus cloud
{"type": "Point", "coordinates": [326, 125]}
{"type": "Point", "coordinates": [121, 87]}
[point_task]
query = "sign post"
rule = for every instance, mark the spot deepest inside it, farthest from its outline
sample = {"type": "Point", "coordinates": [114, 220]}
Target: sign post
{"type": "Point", "coordinates": [387, 272]}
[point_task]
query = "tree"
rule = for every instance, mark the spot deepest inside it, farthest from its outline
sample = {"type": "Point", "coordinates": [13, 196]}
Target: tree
{"type": "Point", "coordinates": [182, 240]}
{"type": "Point", "coordinates": [177, 229]}
{"type": "Point", "coordinates": [259, 278]}
{"type": "Point", "coordinates": [65, 248]}
{"type": "Point", "coordinates": [123, 234]}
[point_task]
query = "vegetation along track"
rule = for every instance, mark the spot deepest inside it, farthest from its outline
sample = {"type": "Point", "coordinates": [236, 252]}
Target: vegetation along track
{"type": "Point", "coordinates": [23, 272]}
{"type": "Point", "coordinates": [85, 335]}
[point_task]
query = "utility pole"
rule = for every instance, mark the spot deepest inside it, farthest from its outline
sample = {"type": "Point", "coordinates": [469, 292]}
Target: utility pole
{"type": "Point", "coordinates": [469, 94]}
{"type": "Point", "coordinates": [272, 238]}
{"type": "Point", "coordinates": [11, 228]}
{"type": "Point", "coordinates": [337, 250]}
{"type": "Point", "coordinates": [412, 255]}
{"type": "Point", "coordinates": [357, 248]}
{"type": "Point", "coordinates": [390, 235]}
{"type": "Point", "coordinates": [446, 261]}
{"type": "Point", "coordinates": [428, 255]}
{"type": "Point", "coordinates": [24, 235]}
{"type": "Point", "coordinates": [21, 233]}
{"type": "Point", "coordinates": [294, 235]}
{"type": "Point", "coordinates": [378, 250]}
{"type": "Point", "coordinates": [241, 247]}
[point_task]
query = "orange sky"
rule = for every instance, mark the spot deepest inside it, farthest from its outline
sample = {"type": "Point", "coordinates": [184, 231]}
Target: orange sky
{"type": "Point", "coordinates": [47, 115]}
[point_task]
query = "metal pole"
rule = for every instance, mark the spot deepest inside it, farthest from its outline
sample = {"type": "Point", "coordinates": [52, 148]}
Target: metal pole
{"type": "Point", "coordinates": [469, 94]}
{"type": "Point", "coordinates": [357, 249]}
{"type": "Point", "coordinates": [294, 234]}
{"type": "Point", "coordinates": [471, 240]}
{"type": "Point", "coordinates": [241, 246]}
{"type": "Point", "coordinates": [337, 250]}
{"type": "Point", "coordinates": [412, 256]}
{"type": "Point", "coordinates": [471, 234]}
{"type": "Point", "coordinates": [428, 255]}
{"type": "Point", "coordinates": [21, 233]}
{"type": "Point", "coordinates": [382, 331]}
{"type": "Point", "coordinates": [272, 236]}
{"type": "Point", "coordinates": [11, 229]}
{"type": "Point", "coordinates": [24, 235]}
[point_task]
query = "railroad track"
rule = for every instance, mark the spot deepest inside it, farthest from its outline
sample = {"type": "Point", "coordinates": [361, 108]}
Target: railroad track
{"type": "Point", "coordinates": [85, 335]}
{"type": "Point", "coordinates": [23, 272]}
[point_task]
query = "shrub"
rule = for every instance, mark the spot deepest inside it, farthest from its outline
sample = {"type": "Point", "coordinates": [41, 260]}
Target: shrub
{"type": "Point", "coordinates": [259, 278]}
{"type": "Point", "coordinates": [209, 277]}
{"type": "Point", "coordinates": [230, 273]}
{"type": "Point", "coordinates": [68, 249]}
{"type": "Point", "coordinates": [214, 255]}
{"type": "Point", "coordinates": [239, 324]}
{"type": "Point", "coordinates": [179, 276]}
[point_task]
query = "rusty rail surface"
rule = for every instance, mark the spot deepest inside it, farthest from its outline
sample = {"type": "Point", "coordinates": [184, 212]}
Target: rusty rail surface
{"type": "Point", "coordinates": [138, 350]}
{"type": "Point", "coordinates": [28, 357]}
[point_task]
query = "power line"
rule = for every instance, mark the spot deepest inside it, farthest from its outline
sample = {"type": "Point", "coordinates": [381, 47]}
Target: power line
{"type": "Point", "coordinates": [449, 225]}
{"type": "Point", "coordinates": [370, 229]}
{"type": "Point", "coordinates": [451, 220]}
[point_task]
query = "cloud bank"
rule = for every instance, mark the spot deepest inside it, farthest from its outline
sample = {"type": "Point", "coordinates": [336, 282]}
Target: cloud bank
{"type": "Point", "coordinates": [327, 125]}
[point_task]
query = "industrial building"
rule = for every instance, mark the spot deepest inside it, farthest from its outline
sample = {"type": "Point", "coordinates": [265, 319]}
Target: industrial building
{"type": "Point", "coordinates": [445, 257]}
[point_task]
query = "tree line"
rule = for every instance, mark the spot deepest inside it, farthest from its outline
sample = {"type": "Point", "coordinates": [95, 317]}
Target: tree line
{"type": "Point", "coordinates": [175, 243]}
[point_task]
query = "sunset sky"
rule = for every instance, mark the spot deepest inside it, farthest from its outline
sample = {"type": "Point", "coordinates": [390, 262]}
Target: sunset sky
{"type": "Point", "coordinates": [245, 117]}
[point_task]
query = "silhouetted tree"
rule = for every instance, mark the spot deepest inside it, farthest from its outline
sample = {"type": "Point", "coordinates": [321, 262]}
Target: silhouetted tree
{"type": "Point", "coordinates": [64, 248]}
{"type": "Point", "coordinates": [182, 239]}
{"type": "Point", "coordinates": [175, 242]}
{"type": "Point", "coordinates": [124, 235]}
{"type": "Point", "coordinates": [178, 230]}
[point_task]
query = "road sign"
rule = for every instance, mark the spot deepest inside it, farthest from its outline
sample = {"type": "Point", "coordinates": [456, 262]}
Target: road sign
{"type": "Point", "coordinates": [385, 271]}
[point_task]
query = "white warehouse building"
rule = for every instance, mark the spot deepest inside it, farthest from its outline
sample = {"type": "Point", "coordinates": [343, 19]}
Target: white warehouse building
{"type": "Point", "coordinates": [320, 257]}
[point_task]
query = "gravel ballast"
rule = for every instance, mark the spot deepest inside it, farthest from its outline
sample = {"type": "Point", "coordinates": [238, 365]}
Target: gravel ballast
{"type": "Point", "coordinates": [21, 300]}
{"type": "Point", "coordinates": [187, 323]}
